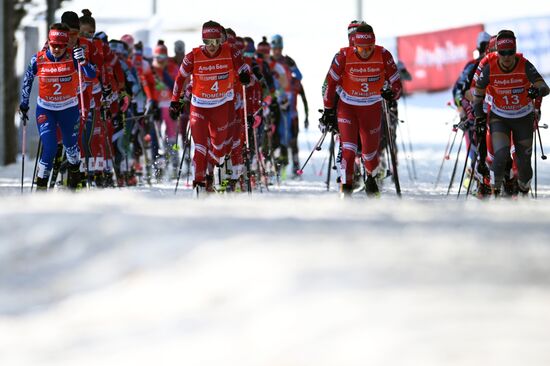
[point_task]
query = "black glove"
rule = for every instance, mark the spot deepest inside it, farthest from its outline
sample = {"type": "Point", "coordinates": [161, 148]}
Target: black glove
{"type": "Point", "coordinates": [533, 92]}
{"type": "Point", "coordinates": [244, 78]}
{"type": "Point", "coordinates": [106, 91]}
{"type": "Point", "coordinates": [387, 94]}
{"type": "Point", "coordinates": [481, 127]}
{"type": "Point", "coordinates": [328, 120]}
{"type": "Point", "coordinates": [24, 111]}
{"type": "Point", "coordinates": [174, 110]}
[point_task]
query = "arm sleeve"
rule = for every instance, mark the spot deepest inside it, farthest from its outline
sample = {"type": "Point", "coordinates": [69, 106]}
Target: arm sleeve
{"type": "Point", "coordinates": [391, 73]}
{"type": "Point", "coordinates": [293, 68]}
{"type": "Point", "coordinates": [481, 83]}
{"type": "Point", "coordinates": [333, 79]}
{"type": "Point", "coordinates": [31, 71]}
{"type": "Point", "coordinates": [534, 77]}
{"type": "Point", "coordinates": [304, 99]}
{"type": "Point", "coordinates": [185, 70]}
{"type": "Point", "coordinates": [88, 69]}
{"type": "Point", "coordinates": [238, 62]}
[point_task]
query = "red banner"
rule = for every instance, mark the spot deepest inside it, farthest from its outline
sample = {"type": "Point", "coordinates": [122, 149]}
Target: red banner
{"type": "Point", "coordinates": [435, 60]}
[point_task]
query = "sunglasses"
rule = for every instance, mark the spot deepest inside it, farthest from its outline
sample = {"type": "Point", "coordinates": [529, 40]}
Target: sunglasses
{"type": "Point", "coordinates": [212, 42]}
{"type": "Point", "coordinates": [507, 52]}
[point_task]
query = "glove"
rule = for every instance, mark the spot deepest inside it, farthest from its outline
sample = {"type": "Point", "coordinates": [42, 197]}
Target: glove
{"type": "Point", "coordinates": [533, 92]}
{"type": "Point", "coordinates": [125, 104]}
{"type": "Point", "coordinates": [106, 92]}
{"type": "Point", "coordinates": [24, 111]}
{"type": "Point", "coordinates": [174, 110]}
{"type": "Point", "coordinates": [79, 56]}
{"type": "Point", "coordinates": [328, 120]}
{"type": "Point", "coordinates": [481, 127]}
{"type": "Point", "coordinates": [244, 78]}
{"type": "Point", "coordinates": [387, 94]}
{"type": "Point", "coordinates": [468, 109]}
{"type": "Point", "coordinates": [306, 123]}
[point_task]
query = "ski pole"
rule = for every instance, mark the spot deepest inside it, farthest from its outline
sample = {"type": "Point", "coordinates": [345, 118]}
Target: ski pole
{"type": "Point", "coordinates": [446, 154]}
{"type": "Point", "coordinates": [317, 147]}
{"type": "Point", "coordinates": [186, 142]}
{"type": "Point", "coordinates": [542, 156]}
{"type": "Point", "coordinates": [330, 159]}
{"type": "Point", "coordinates": [476, 161]}
{"type": "Point", "coordinates": [38, 153]}
{"type": "Point", "coordinates": [247, 143]}
{"type": "Point", "coordinates": [24, 119]}
{"type": "Point", "coordinates": [84, 120]}
{"type": "Point", "coordinates": [410, 139]}
{"type": "Point", "coordinates": [464, 169]}
{"type": "Point", "coordinates": [391, 148]}
{"type": "Point", "coordinates": [409, 169]}
{"type": "Point", "coordinates": [535, 137]}
{"type": "Point", "coordinates": [456, 163]}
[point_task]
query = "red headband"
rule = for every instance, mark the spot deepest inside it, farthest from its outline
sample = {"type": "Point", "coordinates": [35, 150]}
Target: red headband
{"type": "Point", "coordinates": [56, 36]}
{"type": "Point", "coordinates": [506, 44]}
{"type": "Point", "coordinates": [362, 39]}
{"type": "Point", "coordinates": [211, 33]}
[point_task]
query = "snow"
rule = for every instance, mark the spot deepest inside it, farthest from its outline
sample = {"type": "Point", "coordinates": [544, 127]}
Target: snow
{"type": "Point", "coordinates": [294, 276]}
{"type": "Point", "coordinates": [291, 277]}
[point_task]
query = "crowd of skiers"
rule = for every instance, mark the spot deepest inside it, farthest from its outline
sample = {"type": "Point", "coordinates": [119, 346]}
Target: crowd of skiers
{"type": "Point", "coordinates": [498, 96]}
{"type": "Point", "coordinates": [112, 112]}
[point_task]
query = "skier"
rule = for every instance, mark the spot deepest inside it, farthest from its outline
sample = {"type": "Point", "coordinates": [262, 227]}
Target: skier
{"type": "Point", "coordinates": [296, 89]}
{"type": "Point", "coordinates": [284, 67]}
{"type": "Point", "coordinates": [464, 107]}
{"type": "Point", "coordinates": [360, 73]}
{"type": "Point", "coordinates": [57, 69]}
{"type": "Point", "coordinates": [165, 73]}
{"type": "Point", "coordinates": [213, 68]}
{"type": "Point", "coordinates": [509, 83]}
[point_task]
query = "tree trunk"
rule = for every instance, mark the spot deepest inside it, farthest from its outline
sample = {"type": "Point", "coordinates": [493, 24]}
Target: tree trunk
{"type": "Point", "coordinates": [13, 13]}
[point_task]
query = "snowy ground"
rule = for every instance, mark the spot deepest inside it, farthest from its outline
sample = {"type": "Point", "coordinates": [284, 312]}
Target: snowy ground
{"type": "Point", "coordinates": [291, 277]}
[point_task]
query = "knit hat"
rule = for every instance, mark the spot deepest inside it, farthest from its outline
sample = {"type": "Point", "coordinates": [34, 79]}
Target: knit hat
{"type": "Point", "coordinates": [277, 41]}
{"type": "Point", "coordinates": [71, 19]}
{"type": "Point", "coordinates": [161, 51]}
{"type": "Point", "coordinates": [263, 47]}
{"type": "Point", "coordinates": [179, 46]}
{"type": "Point", "coordinates": [364, 36]}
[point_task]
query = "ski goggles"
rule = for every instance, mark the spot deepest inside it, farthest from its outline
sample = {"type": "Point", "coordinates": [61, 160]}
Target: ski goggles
{"type": "Point", "coordinates": [58, 45]}
{"type": "Point", "coordinates": [365, 48]}
{"type": "Point", "coordinates": [212, 42]}
{"type": "Point", "coordinates": [507, 52]}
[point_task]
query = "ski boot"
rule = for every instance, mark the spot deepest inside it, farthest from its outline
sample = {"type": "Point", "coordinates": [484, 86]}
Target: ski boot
{"type": "Point", "coordinates": [74, 177]}
{"type": "Point", "coordinates": [41, 184]}
{"type": "Point", "coordinates": [371, 187]}
{"type": "Point", "coordinates": [346, 190]}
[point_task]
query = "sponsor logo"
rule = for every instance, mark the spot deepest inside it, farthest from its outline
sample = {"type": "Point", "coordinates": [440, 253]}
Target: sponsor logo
{"type": "Point", "coordinates": [518, 90]}
{"type": "Point", "coordinates": [344, 121]}
{"type": "Point", "coordinates": [366, 36]}
{"type": "Point", "coordinates": [41, 118]}
{"type": "Point", "coordinates": [197, 115]}
{"type": "Point", "coordinates": [507, 81]}
{"type": "Point", "coordinates": [375, 130]}
{"type": "Point", "coordinates": [362, 70]}
{"type": "Point", "coordinates": [51, 69]}
{"type": "Point", "coordinates": [372, 79]}
{"type": "Point", "coordinates": [214, 67]}
{"type": "Point", "coordinates": [439, 56]}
